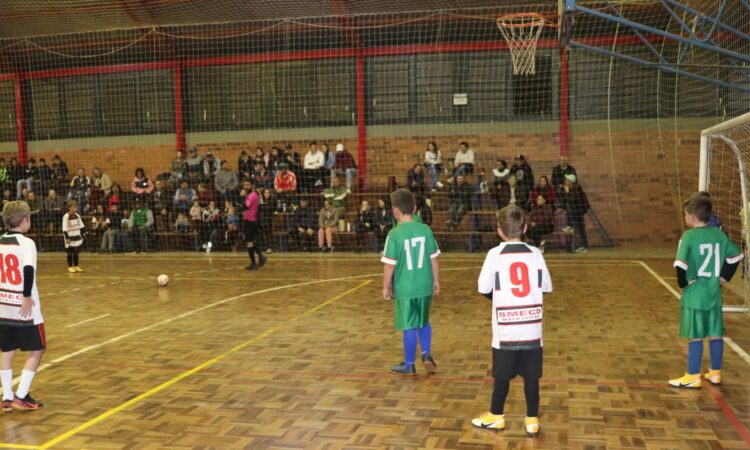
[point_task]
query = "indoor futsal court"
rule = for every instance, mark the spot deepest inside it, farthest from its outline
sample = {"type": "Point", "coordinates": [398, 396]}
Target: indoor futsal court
{"type": "Point", "coordinates": [216, 193]}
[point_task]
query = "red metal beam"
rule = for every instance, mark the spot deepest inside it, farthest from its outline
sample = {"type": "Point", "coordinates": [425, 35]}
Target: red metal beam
{"type": "Point", "coordinates": [564, 136]}
{"type": "Point", "coordinates": [23, 151]}
{"type": "Point", "coordinates": [178, 116]}
{"type": "Point", "coordinates": [361, 123]}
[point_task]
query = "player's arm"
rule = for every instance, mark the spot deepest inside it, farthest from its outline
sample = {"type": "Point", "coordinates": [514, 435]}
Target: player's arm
{"type": "Point", "coordinates": [388, 281]}
{"type": "Point", "coordinates": [29, 263]}
{"type": "Point", "coordinates": [680, 263]}
{"type": "Point", "coordinates": [389, 260]}
{"type": "Point", "coordinates": [435, 276]}
{"type": "Point", "coordinates": [730, 266]}
{"type": "Point", "coordinates": [485, 284]}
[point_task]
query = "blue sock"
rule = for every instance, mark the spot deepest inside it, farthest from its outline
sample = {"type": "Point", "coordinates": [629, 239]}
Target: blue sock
{"type": "Point", "coordinates": [695, 354]}
{"type": "Point", "coordinates": [425, 338]}
{"type": "Point", "coordinates": [410, 346]}
{"type": "Point", "coordinates": [716, 347]}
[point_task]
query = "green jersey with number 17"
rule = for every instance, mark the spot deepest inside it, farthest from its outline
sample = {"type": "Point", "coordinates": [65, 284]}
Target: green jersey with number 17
{"type": "Point", "coordinates": [410, 247]}
{"type": "Point", "coordinates": [701, 253]}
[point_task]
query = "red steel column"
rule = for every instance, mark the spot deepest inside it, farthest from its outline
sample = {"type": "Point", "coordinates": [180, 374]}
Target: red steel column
{"type": "Point", "coordinates": [361, 127]}
{"type": "Point", "coordinates": [178, 118]}
{"type": "Point", "coordinates": [564, 137]}
{"type": "Point", "coordinates": [23, 151]}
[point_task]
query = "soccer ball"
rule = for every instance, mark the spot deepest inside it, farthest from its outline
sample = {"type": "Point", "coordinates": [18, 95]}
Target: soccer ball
{"type": "Point", "coordinates": [163, 280]}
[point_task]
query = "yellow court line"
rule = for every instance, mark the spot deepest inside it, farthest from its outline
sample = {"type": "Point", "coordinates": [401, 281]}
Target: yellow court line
{"type": "Point", "coordinates": [7, 445]}
{"type": "Point", "coordinates": [105, 415]}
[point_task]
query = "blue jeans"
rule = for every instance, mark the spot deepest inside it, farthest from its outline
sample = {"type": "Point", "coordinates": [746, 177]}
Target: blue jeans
{"type": "Point", "coordinates": [349, 174]}
{"type": "Point", "coordinates": [434, 170]}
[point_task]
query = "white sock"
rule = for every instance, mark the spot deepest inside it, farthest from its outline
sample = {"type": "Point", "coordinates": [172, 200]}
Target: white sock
{"type": "Point", "coordinates": [27, 377]}
{"type": "Point", "coordinates": [6, 378]}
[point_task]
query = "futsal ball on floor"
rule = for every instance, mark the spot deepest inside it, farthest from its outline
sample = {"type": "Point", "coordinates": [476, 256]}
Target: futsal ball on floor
{"type": "Point", "coordinates": [163, 280]}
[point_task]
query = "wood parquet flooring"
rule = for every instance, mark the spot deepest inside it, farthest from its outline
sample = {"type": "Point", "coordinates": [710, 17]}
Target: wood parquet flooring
{"type": "Point", "coordinates": [282, 369]}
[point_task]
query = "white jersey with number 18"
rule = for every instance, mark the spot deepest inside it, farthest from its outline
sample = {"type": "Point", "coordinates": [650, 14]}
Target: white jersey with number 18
{"type": "Point", "coordinates": [517, 276]}
{"type": "Point", "coordinates": [16, 252]}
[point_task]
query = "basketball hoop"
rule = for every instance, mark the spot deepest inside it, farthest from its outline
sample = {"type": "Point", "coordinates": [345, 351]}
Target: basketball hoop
{"type": "Point", "coordinates": [521, 31]}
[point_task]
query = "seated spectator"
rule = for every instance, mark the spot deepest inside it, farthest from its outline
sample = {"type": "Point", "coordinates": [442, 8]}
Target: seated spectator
{"type": "Point", "coordinates": [4, 174]}
{"type": "Point", "coordinates": [112, 236]}
{"type": "Point", "coordinates": [211, 223]}
{"type": "Point", "coordinates": [542, 188]}
{"type": "Point", "coordinates": [541, 221]}
{"type": "Point", "coordinates": [183, 197]}
{"type": "Point", "coordinates": [433, 162]}
{"type": "Point", "coordinates": [460, 196]}
{"type": "Point", "coordinates": [328, 222]}
{"type": "Point", "coordinates": [161, 198]}
{"type": "Point", "coordinates": [114, 197]}
{"type": "Point", "coordinates": [511, 194]}
{"type": "Point", "coordinates": [7, 196]}
{"type": "Point", "coordinates": [196, 213]}
{"type": "Point", "coordinates": [415, 179]}
{"type": "Point", "coordinates": [524, 175]}
{"type": "Point", "coordinates": [125, 244]}
{"type": "Point", "coordinates": [141, 224]}
{"type": "Point", "coordinates": [245, 166]}
{"type": "Point", "coordinates": [97, 228]}
{"type": "Point", "coordinates": [365, 224]}
{"type": "Point", "coordinates": [28, 175]}
{"type": "Point", "coordinates": [35, 205]}
{"type": "Point", "coordinates": [54, 210]}
{"type": "Point", "coordinates": [226, 182]}
{"type": "Point", "coordinates": [60, 174]}
{"type": "Point", "coordinates": [423, 210]}
{"type": "Point", "coordinates": [209, 168]}
{"type": "Point", "coordinates": [383, 222]}
{"type": "Point", "coordinates": [336, 194]}
{"type": "Point", "coordinates": [500, 173]}
{"type": "Point", "coordinates": [178, 168]}
{"type": "Point", "coordinates": [329, 156]}
{"type": "Point", "coordinates": [560, 170]}
{"type": "Point", "coordinates": [102, 181]}
{"type": "Point", "coordinates": [141, 186]}
{"type": "Point", "coordinates": [314, 168]}
{"type": "Point", "coordinates": [16, 173]}
{"type": "Point", "coordinates": [233, 236]}
{"type": "Point", "coordinates": [285, 185]}
{"type": "Point", "coordinates": [293, 161]}
{"type": "Point", "coordinates": [163, 221]}
{"type": "Point", "coordinates": [344, 165]}
{"type": "Point", "coordinates": [575, 202]}
{"type": "Point", "coordinates": [205, 194]}
{"type": "Point", "coordinates": [261, 176]}
{"type": "Point", "coordinates": [274, 159]}
{"type": "Point", "coordinates": [267, 209]}
{"type": "Point", "coordinates": [463, 161]}
{"type": "Point", "coordinates": [261, 157]}
{"type": "Point", "coordinates": [181, 224]}
{"type": "Point", "coordinates": [194, 166]}
{"type": "Point", "coordinates": [80, 187]}
{"type": "Point", "coordinates": [44, 180]}
{"type": "Point", "coordinates": [304, 226]}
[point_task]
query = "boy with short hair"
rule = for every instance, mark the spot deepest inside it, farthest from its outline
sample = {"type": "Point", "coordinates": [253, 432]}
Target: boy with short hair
{"type": "Point", "coordinates": [411, 254]}
{"type": "Point", "coordinates": [72, 224]}
{"type": "Point", "coordinates": [706, 259]}
{"type": "Point", "coordinates": [21, 321]}
{"type": "Point", "coordinates": [515, 278]}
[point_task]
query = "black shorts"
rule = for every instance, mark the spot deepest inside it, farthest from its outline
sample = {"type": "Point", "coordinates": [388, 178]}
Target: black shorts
{"type": "Point", "coordinates": [506, 364]}
{"type": "Point", "coordinates": [250, 230]}
{"type": "Point", "coordinates": [27, 339]}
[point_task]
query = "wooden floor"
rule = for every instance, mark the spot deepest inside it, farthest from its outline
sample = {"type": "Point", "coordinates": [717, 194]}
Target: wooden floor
{"type": "Point", "coordinates": [294, 357]}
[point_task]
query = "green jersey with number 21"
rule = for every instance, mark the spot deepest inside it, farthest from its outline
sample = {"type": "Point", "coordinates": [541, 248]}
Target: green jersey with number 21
{"type": "Point", "coordinates": [701, 253]}
{"type": "Point", "coordinates": [410, 247]}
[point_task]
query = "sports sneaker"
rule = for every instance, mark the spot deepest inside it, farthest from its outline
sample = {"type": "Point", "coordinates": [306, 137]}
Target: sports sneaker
{"type": "Point", "coordinates": [7, 405]}
{"type": "Point", "coordinates": [252, 267]}
{"type": "Point", "coordinates": [713, 376]}
{"type": "Point", "coordinates": [439, 184]}
{"type": "Point", "coordinates": [78, 269]}
{"type": "Point", "coordinates": [403, 369]}
{"type": "Point", "coordinates": [490, 421]}
{"type": "Point", "coordinates": [582, 250]}
{"type": "Point", "coordinates": [331, 249]}
{"type": "Point", "coordinates": [687, 381]}
{"type": "Point", "coordinates": [323, 249]}
{"type": "Point", "coordinates": [27, 403]}
{"type": "Point", "coordinates": [532, 425]}
{"type": "Point", "coordinates": [262, 261]}
{"type": "Point", "coordinates": [568, 229]}
{"type": "Point", "coordinates": [428, 363]}
{"type": "Point", "coordinates": [71, 269]}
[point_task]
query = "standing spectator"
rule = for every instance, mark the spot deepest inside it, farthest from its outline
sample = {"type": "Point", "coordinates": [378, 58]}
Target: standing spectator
{"type": "Point", "coordinates": [250, 224]}
{"type": "Point", "coordinates": [328, 220]}
{"type": "Point", "coordinates": [178, 168]}
{"type": "Point", "coordinates": [53, 209]}
{"type": "Point", "coordinates": [183, 197]}
{"type": "Point", "coordinates": [433, 161]}
{"type": "Point", "coordinates": [261, 177]}
{"type": "Point", "coordinates": [541, 221]}
{"type": "Point", "coordinates": [44, 181]}
{"type": "Point", "coordinates": [560, 170]}
{"type": "Point", "coordinates": [226, 182]}
{"type": "Point", "coordinates": [314, 168]}
{"type": "Point", "coordinates": [114, 197]}
{"type": "Point", "coordinates": [344, 165]}
{"type": "Point", "coordinates": [245, 165]}
{"type": "Point", "coordinates": [267, 212]}
{"type": "Point", "coordinates": [336, 194]}
{"type": "Point", "coordinates": [304, 226]}
{"type": "Point", "coordinates": [463, 161]}
{"type": "Point", "coordinates": [415, 179]}
{"type": "Point", "coordinates": [97, 228]}
{"type": "Point", "coordinates": [383, 222]}
{"type": "Point", "coordinates": [80, 187]}
{"type": "Point", "coordinates": [576, 204]}
{"type": "Point", "coordinates": [160, 197]}
{"type": "Point", "coordinates": [365, 224]}
{"type": "Point", "coordinates": [285, 185]}
{"type": "Point", "coordinates": [141, 224]}
{"type": "Point", "coordinates": [72, 224]}
{"type": "Point", "coordinates": [194, 167]}
{"type": "Point", "coordinates": [141, 185]}
{"type": "Point", "coordinates": [460, 202]}
{"type": "Point", "coordinates": [542, 188]}
{"type": "Point", "coordinates": [210, 167]}
{"type": "Point", "coordinates": [524, 175]}
{"type": "Point", "coordinates": [60, 173]}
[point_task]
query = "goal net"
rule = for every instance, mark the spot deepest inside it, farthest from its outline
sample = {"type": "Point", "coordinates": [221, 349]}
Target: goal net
{"type": "Point", "coordinates": [724, 160]}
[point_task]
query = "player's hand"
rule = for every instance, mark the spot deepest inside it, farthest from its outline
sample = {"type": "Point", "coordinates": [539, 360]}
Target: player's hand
{"type": "Point", "coordinates": [722, 281]}
{"type": "Point", "coordinates": [387, 294]}
{"type": "Point", "coordinates": [26, 304]}
{"type": "Point", "coordinates": [436, 288]}
{"type": "Point", "coordinates": [67, 241]}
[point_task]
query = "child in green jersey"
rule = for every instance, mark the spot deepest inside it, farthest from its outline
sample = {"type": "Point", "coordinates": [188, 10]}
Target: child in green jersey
{"type": "Point", "coordinates": [706, 259]}
{"type": "Point", "coordinates": [410, 276]}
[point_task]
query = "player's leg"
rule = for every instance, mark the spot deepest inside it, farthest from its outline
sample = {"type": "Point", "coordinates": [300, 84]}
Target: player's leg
{"type": "Point", "coordinates": [504, 368]}
{"type": "Point", "coordinates": [321, 238]}
{"type": "Point", "coordinates": [329, 237]}
{"type": "Point", "coordinates": [425, 343]}
{"type": "Point", "coordinates": [410, 350]}
{"type": "Point", "coordinates": [694, 325]}
{"type": "Point", "coordinates": [6, 375]}
{"type": "Point", "coordinates": [247, 230]}
{"type": "Point", "coordinates": [715, 344]}
{"type": "Point", "coordinates": [32, 340]}
{"type": "Point", "coordinates": [531, 370]}
{"type": "Point", "coordinates": [76, 265]}
{"type": "Point", "coordinates": [69, 256]}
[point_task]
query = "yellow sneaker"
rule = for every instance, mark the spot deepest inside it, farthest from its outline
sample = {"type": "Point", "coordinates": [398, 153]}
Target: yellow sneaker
{"type": "Point", "coordinates": [71, 270]}
{"type": "Point", "coordinates": [490, 421]}
{"type": "Point", "coordinates": [532, 425]}
{"type": "Point", "coordinates": [78, 269]}
{"type": "Point", "coordinates": [687, 381]}
{"type": "Point", "coordinates": [713, 376]}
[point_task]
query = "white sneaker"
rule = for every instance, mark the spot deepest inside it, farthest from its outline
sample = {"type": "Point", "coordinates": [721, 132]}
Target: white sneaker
{"type": "Point", "coordinates": [348, 190]}
{"type": "Point", "coordinates": [439, 184]}
{"type": "Point", "coordinates": [582, 250]}
{"type": "Point", "coordinates": [567, 229]}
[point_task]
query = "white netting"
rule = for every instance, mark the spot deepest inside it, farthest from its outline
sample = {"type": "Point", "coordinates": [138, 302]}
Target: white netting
{"type": "Point", "coordinates": [521, 32]}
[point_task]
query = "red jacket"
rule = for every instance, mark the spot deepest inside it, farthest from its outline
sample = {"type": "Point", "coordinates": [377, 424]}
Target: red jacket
{"type": "Point", "coordinates": [285, 182]}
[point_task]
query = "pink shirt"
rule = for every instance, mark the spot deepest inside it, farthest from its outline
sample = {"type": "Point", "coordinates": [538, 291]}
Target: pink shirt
{"type": "Point", "coordinates": [252, 203]}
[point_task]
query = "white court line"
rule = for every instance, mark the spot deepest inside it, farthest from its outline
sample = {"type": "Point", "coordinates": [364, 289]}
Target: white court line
{"type": "Point", "coordinates": [733, 345]}
{"type": "Point", "coordinates": [87, 321]}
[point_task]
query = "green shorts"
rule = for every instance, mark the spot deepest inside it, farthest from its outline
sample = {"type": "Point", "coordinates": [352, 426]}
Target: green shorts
{"type": "Point", "coordinates": [701, 323]}
{"type": "Point", "coordinates": [412, 313]}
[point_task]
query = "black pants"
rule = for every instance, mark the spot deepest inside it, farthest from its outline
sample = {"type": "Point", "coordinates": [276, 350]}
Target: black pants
{"type": "Point", "coordinates": [578, 224]}
{"type": "Point", "coordinates": [536, 232]}
{"type": "Point", "coordinates": [72, 254]}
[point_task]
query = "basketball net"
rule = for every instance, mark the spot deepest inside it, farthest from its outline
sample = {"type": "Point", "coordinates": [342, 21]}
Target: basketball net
{"type": "Point", "coordinates": [521, 32]}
